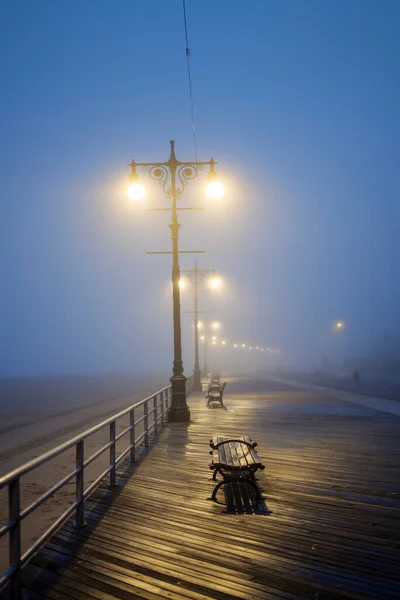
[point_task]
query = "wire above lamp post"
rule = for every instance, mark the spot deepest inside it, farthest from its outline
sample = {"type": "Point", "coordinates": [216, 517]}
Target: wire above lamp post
{"type": "Point", "coordinates": [173, 175]}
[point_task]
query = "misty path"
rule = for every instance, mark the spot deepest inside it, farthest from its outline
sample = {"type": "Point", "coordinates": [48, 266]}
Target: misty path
{"type": "Point", "coordinates": [331, 488]}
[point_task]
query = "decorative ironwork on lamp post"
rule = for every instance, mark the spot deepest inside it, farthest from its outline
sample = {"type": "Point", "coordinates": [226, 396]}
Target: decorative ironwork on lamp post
{"type": "Point", "coordinates": [173, 175]}
{"type": "Point", "coordinates": [197, 275]}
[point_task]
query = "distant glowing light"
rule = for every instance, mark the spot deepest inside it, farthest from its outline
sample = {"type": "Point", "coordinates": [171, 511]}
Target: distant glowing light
{"type": "Point", "coordinates": [215, 282]}
{"type": "Point", "coordinates": [136, 191]}
{"type": "Point", "coordinates": [214, 343]}
{"type": "Point", "coordinates": [339, 325]}
{"type": "Point", "coordinates": [182, 284]}
{"type": "Point", "coordinates": [224, 343]}
{"type": "Point", "coordinates": [215, 190]}
{"type": "Point", "coordinates": [214, 337]}
{"type": "Point", "coordinates": [202, 337]}
{"type": "Point", "coordinates": [243, 345]}
{"type": "Point", "coordinates": [199, 325]}
{"type": "Point", "coordinates": [235, 345]}
{"type": "Point", "coordinates": [216, 325]}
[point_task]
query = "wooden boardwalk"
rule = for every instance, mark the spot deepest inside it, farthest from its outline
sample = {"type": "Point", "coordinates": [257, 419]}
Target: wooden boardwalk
{"type": "Point", "coordinates": [329, 528]}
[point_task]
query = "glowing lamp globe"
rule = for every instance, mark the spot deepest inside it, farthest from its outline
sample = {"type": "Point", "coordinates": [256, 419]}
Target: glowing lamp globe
{"type": "Point", "coordinates": [136, 191]}
{"type": "Point", "coordinates": [215, 190]}
{"type": "Point", "coordinates": [215, 282]}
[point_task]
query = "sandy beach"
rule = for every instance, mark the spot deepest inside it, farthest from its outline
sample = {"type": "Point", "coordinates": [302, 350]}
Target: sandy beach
{"type": "Point", "coordinates": [37, 414]}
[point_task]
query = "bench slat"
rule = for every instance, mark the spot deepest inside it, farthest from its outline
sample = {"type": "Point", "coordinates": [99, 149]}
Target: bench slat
{"type": "Point", "coordinates": [236, 454]}
{"type": "Point", "coordinates": [247, 454]}
{"type": "Point", "coordinates": [230, 459]}
{"type": "Point", "coordinates": [222, 454]}
{"type": "Point", "coordinates": [237, 450]}
{"type": "Point", "coordinates": [252, 451]}
{"type": "Point", "coordinates": [245, 460]}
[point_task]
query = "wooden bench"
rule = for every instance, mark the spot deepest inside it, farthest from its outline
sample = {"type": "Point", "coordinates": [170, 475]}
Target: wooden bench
{"type": "Point", "coordinates": [215, 393]}
{"type": "Point", "coordinates": [236, 460]}
{"type": "Point", "coordinates": [215, 378]}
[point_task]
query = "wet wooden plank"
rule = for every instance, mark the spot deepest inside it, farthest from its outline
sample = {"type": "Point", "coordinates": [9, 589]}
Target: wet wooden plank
{"type": "Point", "coordinates": [332, 489]}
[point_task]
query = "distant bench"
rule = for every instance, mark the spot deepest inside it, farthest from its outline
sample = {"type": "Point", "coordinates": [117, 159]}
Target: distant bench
{"type": "Point", "coordinates": [215, 393]}
{"type": "Point", "coordinates": [236, 460]}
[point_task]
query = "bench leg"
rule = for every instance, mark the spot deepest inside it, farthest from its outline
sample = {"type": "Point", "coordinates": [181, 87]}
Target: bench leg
{"type": "Point", "coordinates": [215, 474]}
{"type": "Point", "coordinates": [214, 494]}
{"type": "Point", "coordinates": [256, 489]}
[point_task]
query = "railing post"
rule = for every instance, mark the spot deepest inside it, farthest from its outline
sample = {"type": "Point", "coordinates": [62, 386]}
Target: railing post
{"type": "Point", "coordinates": [80, 484]}
{"type": "Point", "coordinates": [132, 435]}
{"type": "Point", "coordinates": [113, 454]}
{"type": "Point", "coordinates": [155, 406]}
{"type": "Point", "coordinates": [146, 423]}
{"type": "Point", "coordinates": [14, 510]}
{"type": "Point", "coordinates": [162, 409]}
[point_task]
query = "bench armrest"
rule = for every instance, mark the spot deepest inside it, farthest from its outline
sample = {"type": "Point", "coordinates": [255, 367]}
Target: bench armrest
{"type": "Point", "coordinates": [216, 446]}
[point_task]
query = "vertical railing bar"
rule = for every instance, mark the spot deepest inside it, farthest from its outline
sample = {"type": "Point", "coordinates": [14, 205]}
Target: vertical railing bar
{"type": "Point", "coordinates": [155, 406]}
{"type": "Point", "coordinates": [80, 485]}
{"type": "Point", "coordinates": [162, 409]}
{"type": "Point", "coordinates": [146, 423]}
{"type": "Point", "coordinates": [132, 435]}
{"type": "Point", "coordinates": [14, 511]}
{"type": "Point", "coordinates": [113, 454]}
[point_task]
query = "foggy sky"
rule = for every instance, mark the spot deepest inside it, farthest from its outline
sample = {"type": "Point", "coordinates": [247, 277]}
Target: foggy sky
{"type": "Point", "coordinates": [298, 101]}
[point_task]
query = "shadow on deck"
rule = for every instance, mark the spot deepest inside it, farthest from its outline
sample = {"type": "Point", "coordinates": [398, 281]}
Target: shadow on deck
{"type": "Point", "coordinates": [329, 527]}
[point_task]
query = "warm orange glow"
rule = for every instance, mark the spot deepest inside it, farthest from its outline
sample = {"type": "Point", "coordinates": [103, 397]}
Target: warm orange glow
{"type": "Point", "coordinates": [136, 191]}
{"type": "Point", "coordinates": [215, 282]}
{"type": "Point", "coordinates": [215, 190]}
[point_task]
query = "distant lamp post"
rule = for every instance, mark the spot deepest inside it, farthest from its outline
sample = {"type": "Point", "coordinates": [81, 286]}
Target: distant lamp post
{"type": "Point", "coordinates": [197, 276]}
{"type": "Point", "coordinates": [173, 175]}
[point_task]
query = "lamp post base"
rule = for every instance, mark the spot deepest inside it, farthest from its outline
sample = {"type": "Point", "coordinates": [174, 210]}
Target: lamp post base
{"type": "Point", "coordinates": [197, 387]}
{"type": "Point", "coordinates": [178, 411]}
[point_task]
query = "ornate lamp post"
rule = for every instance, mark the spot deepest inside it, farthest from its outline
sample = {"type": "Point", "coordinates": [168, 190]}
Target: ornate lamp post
{"type": "Point", "coordinates": [197, 276]}
{"type": "Point", "coordinates": [173, 175]}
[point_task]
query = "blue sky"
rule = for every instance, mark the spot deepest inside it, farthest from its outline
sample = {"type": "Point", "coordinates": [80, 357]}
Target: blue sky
{"type": "Point", "coordinates": [297, 100]}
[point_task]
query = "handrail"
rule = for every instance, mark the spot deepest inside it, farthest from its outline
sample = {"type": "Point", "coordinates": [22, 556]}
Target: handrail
{"type": "Point", "coordinates": [154, 417]}
{"type": "Point", "coordinates": [39, 460]}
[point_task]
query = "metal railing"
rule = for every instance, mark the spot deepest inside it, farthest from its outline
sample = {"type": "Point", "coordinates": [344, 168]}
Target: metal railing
{"type": "Point", "coordinates": [155, 408]}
